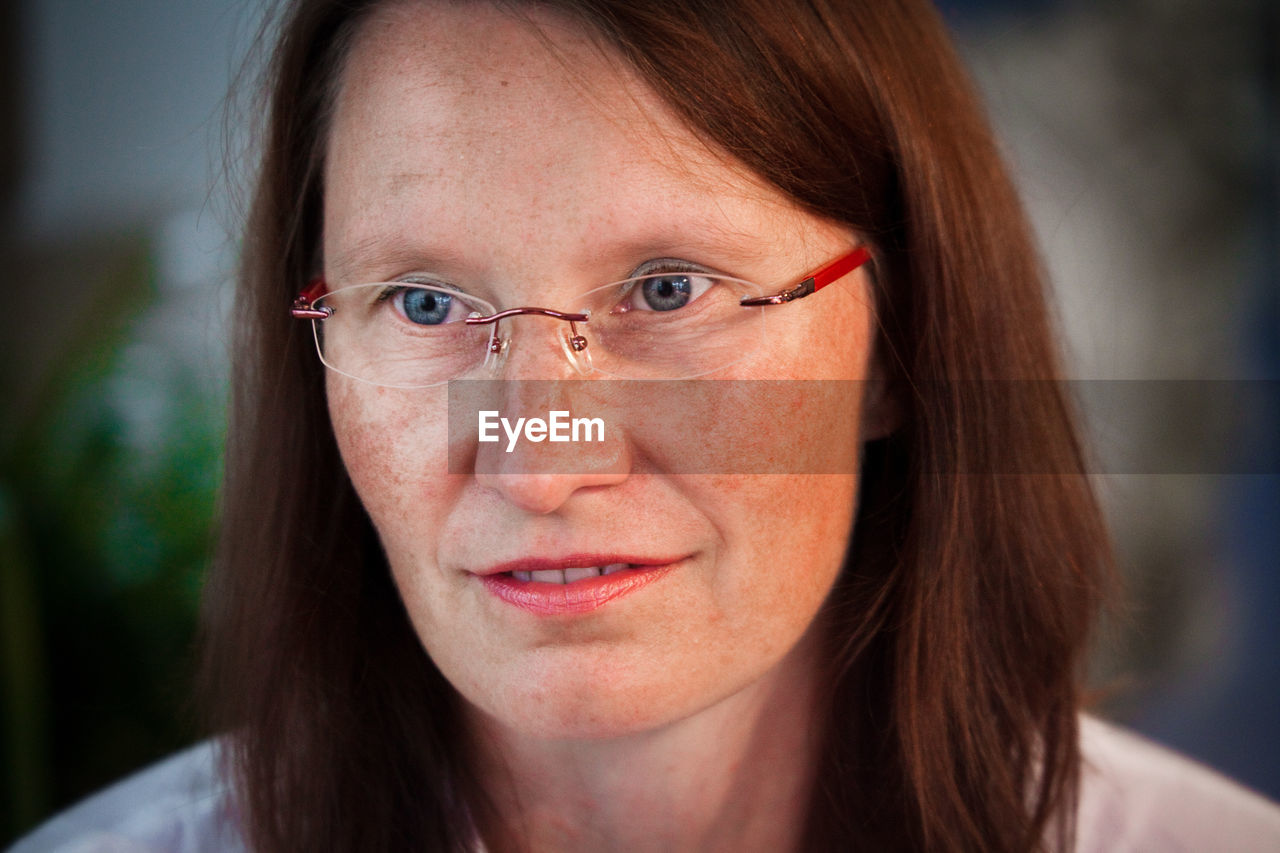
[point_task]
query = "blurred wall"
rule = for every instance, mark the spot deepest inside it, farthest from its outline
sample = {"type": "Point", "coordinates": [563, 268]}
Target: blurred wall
{"type": "Point", "coordinates": [1143, 135]}
{"type": "Point", "coordinates": [117, 262]}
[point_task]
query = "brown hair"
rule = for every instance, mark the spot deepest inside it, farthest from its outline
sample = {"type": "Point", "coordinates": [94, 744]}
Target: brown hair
{"type": "Point", "coordinates": [959, 622]}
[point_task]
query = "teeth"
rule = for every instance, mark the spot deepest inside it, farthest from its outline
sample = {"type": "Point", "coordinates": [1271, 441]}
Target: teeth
{"type": "Point", "coordinates": [563, 576]}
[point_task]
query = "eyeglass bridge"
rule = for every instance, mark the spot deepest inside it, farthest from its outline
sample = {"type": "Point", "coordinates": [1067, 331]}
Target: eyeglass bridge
{"type": "Point", "coordinates": [576, 341]}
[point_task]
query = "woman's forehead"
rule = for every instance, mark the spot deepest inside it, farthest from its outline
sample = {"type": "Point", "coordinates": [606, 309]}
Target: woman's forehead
{"type": "Point", "coordinates": [464, 87]}
{"type": "Point", "coordinates": [480, 122]}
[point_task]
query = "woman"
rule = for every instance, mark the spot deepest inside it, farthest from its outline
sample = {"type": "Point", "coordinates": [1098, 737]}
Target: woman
{"type": "Point", "coordinates": [421, 640]}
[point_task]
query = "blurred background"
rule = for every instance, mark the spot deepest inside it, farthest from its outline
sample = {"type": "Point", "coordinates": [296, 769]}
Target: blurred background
{"type": "Point", "coordinates": [1143, 133]}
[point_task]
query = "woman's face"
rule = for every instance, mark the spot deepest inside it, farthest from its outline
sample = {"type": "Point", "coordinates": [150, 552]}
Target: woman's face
{"type": "Point", "coordinates": [526, 169]}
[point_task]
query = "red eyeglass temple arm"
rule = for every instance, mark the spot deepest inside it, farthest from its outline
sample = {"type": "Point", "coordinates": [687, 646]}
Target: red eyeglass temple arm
{"type": "Point", "coordinates": [840, 267]}
{"type": "Point", "coordinates": [817, 280]}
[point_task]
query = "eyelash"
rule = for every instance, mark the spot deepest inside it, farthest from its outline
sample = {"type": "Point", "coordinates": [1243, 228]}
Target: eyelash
{"type": "Point", "coordinates": [657, 266]}
{"type": "Point", "coordinates": [668, 265]}
{"type": "Point", "coordinates": [393, 287]}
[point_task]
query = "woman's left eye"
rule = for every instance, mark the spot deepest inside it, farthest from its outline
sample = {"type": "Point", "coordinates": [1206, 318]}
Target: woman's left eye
{"type": "Point", "coordinates": [666, 291]}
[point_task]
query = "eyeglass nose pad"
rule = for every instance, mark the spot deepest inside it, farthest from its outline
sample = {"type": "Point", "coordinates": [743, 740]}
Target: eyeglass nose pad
{"type": "Point", "coordinates": [575, 348]}
{"type": "Point", "coordinates": [496, 355]}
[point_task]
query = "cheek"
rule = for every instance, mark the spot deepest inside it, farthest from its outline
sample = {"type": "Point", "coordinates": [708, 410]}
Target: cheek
{"type": "Point", "coordinates": [393, 444]}
{"type": "Point", "coordinates": [789, 535]}
{"type": "Point", "coordinates": [785, 532]}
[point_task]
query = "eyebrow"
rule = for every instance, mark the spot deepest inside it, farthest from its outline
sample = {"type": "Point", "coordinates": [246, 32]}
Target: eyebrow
{"type": "Point", "coordinates": [383, 251]}
{"type": "Point", "coordinates": [720, 247]}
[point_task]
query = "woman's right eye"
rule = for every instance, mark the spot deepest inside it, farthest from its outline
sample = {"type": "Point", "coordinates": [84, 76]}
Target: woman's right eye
{"type": "Point", "coordinates": [426, 307]}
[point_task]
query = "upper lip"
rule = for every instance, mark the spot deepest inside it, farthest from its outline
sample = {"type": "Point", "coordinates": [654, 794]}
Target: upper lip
{"type": "Point", "coordinates": [575, 561]}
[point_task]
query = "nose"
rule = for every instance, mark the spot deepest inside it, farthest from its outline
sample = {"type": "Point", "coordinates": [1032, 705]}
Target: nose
{"type": "Point", "coordinates": [543, 494]}
{"type": "Point", "coordinates": [555, 438]}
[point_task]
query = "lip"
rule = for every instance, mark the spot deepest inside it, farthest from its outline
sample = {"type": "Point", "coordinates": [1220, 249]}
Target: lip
{"type": "Point", "coordinates": [580, 596]}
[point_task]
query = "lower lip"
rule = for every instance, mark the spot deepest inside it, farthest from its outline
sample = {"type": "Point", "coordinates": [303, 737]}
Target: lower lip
{"type": "Point", "coordinates": [581, 596]}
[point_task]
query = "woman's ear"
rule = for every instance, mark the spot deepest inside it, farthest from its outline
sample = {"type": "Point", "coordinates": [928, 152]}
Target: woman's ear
{"type": "Point", "coordinates": [881, 399]}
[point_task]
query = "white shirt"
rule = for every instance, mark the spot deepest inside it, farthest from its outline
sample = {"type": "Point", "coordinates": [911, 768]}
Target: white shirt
{"type": "Point", "coordinates": [180, 805]}
{"type": "Point", "coordinates": [1135, 796]}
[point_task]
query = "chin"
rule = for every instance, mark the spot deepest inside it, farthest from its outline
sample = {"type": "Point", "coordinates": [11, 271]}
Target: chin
{"type": "Point", "coordinates": [583, 703]}
{"type": "Point", "coordinates": [565, 727]}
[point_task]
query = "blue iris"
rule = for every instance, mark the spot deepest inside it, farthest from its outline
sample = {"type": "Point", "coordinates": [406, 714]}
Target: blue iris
{"type": "Point", "coordinates": [667, 292]}
{"type": "Point", "coordinates": [426, 307]}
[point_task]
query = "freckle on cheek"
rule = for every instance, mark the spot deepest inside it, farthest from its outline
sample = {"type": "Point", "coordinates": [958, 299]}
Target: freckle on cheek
{"type": "Point", "coordinates": [392, 445]}
{"type": "Point", "coordinates": [368, 442]}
